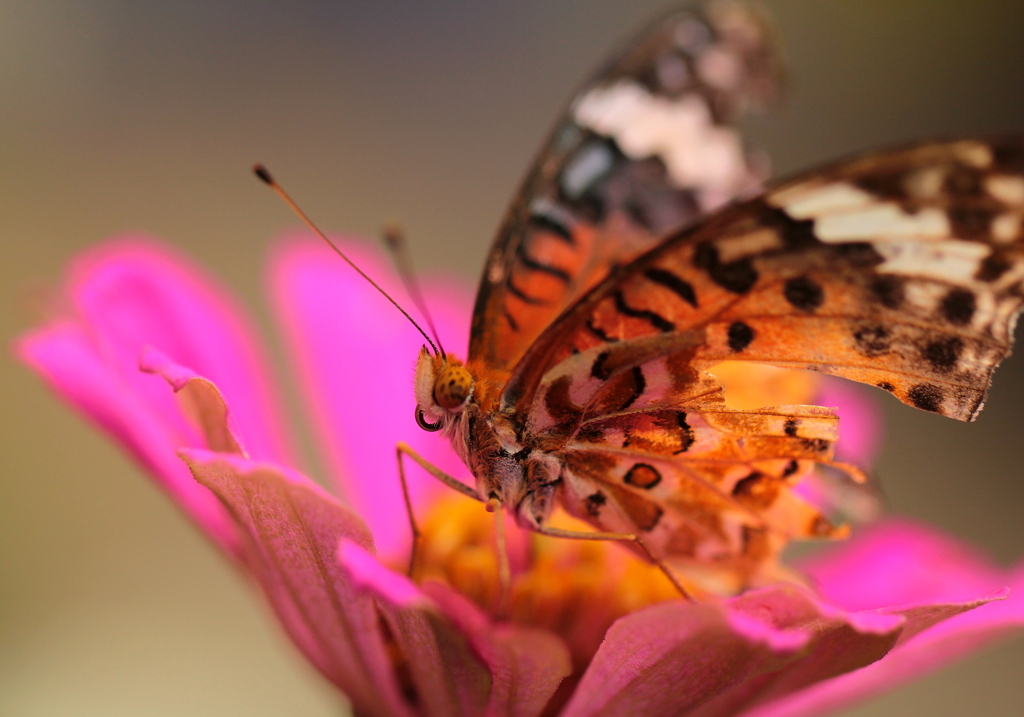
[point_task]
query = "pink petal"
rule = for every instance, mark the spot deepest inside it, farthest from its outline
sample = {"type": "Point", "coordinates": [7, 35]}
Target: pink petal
{"type": "Point", "coordinates": [67, 359]}
{"type": "Point", "coordinates": [200, 400]}
{"type": "Point", "coordinates": [367, 572]}
{"type": "Point", "coordinates": [897, 562]}
{"type": "Point", "coordinates": [901, 562]}
{"type": "Point", "coordinates": [458, 660]}
{"type": "Point", "coordinates": [526, 664]}
{"type": "Point", "coordinates": [670, 658]}
{"type": "Point", "coordinates": [842, 643]}
{"type": "Point", "coordinates": [443, 673]}
{"type": "Point", "coordinates": [292, 529]}
{"type": "Point", "coordinates": [132, 293]}
{"type": "Point", "coordinates": [923, 653]}
{"type": "Point", "coordinates": [355, 356]}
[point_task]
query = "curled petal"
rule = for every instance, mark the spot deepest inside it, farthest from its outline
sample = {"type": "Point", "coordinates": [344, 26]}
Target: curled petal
{"type": "Point", "coordinates": [123, 296]}
{"type": "Point", "coordinates": [65, 356]}
{"type": "Point", "coordinates": [458, 662]}
{"type": "Point", "coordinates": [131, 293]}
{"type": "Point", "coordinates": [291, 529]}
{"type": "Point", "coordinates": [200, 399]}
{"type": "Point", "coordinates": [355, 356]}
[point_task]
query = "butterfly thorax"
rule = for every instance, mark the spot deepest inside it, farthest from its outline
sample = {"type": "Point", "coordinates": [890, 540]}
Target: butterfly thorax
{"type": "Point", "coordinates": [460, 400]}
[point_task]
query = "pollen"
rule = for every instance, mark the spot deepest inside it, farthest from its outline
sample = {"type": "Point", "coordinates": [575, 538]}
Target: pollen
{"type": "Point", "coordinates": [453, 386]}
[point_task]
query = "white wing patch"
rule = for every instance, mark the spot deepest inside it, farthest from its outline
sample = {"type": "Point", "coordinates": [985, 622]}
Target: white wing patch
{"type": "Point", "coordinates": [880, 223]}
{"type": "Point", "coordinates": [696, 152]}
{"type": "Point", "coordinates": [810, 201]}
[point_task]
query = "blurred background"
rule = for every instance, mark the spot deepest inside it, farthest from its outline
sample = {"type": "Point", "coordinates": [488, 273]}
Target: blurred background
{"type": "Point", "coordinates": [121, 116]}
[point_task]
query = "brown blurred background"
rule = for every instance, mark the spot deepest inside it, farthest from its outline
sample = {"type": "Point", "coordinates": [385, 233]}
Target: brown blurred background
{"type": "Point", "coordinates": [119, 115]}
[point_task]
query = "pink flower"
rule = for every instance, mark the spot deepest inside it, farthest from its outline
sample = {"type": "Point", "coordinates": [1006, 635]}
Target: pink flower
{"type": "Point", "coordinates": [592, 631]}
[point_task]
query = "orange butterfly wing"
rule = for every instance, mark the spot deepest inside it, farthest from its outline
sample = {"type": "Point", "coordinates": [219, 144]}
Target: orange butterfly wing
{"type": "Point", "coordinates": [901, 269]}
{"type": "Point", "coordinates": [646, 147]}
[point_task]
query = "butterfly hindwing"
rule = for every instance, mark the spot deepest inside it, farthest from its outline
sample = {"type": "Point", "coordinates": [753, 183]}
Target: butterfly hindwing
{"type": "Point", "coordinates": [648, 445]}
{"type": "Point", "coordinates": [647, 146]}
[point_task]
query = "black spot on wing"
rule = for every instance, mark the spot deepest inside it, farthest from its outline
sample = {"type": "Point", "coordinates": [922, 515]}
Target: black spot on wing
{"type": "Point", "coordinates": [884, 185]}
{"type": "Point", "coordinates": [992, 267]}
{"type": "Point", "coordinates": [550, 224]}
{"type": "Point", "coordinates": [643, 476]}
{"type": "Point", "coordinates": [943, 354]}
{"type": "Point", "coordinates": [958, 306]}
{"type": "Point", "coordinates": [926, 396]}
{"type": "Point", "coordinates": [522, 295]}
{"type": "Point", "coordinates": [886, 386]}
{"type": "Point", "coordinates": [656, 320]}
{"type": "Point", "coordinates": [682, 288]}
{"type": "Point", "coordinates": [795, 233]}
{"type": "Point", "coordinates": [970, 222]}
{"type": "Point", "coordinates": [964, 182]}
{"type": "Point", "coordinates": [804, 293]}
{"type": "Point", "coordinates": [757, 490]}
{"type": "Point", "coordinates": [686, 433]}
{"type": "Point", "coordinates": [639, 386]}
{"type": "Point", "coordinates": [872, 340]}
{"type": "Point", "coordinates": [792, 467]}
{"type": "Point", "coordinates": [888, 290]}
{"type": "Point", "coordinates": [737, 276]}
{"type": "Point", "coordinates": [599, 370]}
{"type": "Point", "coordinates": [817, 445]}
{"type": "Point", "coordinates": [595, 502]}
{"type": "Point", "coordinates": [599, 332]}
{"type": "Point", "coordinates": [739, 336]}
{"type": "Point", "coordinates": [530, 263]}
{"type": "Point", "coordinates": [790, 428]}
{"type": "Point", "coordinates": [859, 254]}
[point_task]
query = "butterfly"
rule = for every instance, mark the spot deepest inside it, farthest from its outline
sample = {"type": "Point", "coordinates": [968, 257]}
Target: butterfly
{"type": "Point", "coordinates": [640, 252]}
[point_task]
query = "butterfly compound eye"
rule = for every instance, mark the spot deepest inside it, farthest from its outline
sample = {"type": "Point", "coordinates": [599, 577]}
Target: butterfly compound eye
{"type": "Point", "coordinates": [453, 387]}
{"type": "Point", "coordinates": [421, 421]}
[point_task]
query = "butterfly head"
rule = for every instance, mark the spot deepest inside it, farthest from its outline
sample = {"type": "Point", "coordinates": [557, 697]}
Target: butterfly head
{"type": "Point", "coordinates": [443, 387]}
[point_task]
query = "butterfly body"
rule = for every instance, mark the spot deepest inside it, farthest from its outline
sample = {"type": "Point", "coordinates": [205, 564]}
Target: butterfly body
{"type": "Point", "coordinates": [520, 476]}
{"type": "Point", "coordinates": [618, 282]}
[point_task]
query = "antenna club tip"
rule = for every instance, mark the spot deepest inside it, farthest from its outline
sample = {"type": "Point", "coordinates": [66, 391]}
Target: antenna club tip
{"type": "Point", "coordinates": [393, 235]}
{"type": "Point", "coordinates": [260, 171]}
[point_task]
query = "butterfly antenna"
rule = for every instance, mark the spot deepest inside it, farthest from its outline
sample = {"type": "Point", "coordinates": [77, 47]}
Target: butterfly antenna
{"type": "Point", "coordinates": [264, 175]}
{"type": "Point", "coordinates": [394, 239]}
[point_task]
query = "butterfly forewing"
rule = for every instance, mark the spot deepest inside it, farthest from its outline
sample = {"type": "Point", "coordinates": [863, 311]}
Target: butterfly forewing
{"type": "Point", "coordinates": [902, 270]}
{"type": "Point", "coordinates": [647, 146]}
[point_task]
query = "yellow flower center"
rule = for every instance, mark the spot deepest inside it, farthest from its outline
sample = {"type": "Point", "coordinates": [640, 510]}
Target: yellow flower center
{"type": "Point", "coordinates": [574, 588]}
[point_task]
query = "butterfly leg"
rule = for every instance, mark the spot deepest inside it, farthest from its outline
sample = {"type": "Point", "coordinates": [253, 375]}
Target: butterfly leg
{"type": "Point", "coordinates": [493, 505]}
{"type": "Point", "coordinates": [596, 535]}
{"type": "Point", "coordinates": [403, 449]}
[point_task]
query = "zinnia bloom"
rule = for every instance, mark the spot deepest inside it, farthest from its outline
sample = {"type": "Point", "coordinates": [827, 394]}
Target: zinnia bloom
{"type": "Point", "coordinates": [158, 356]}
